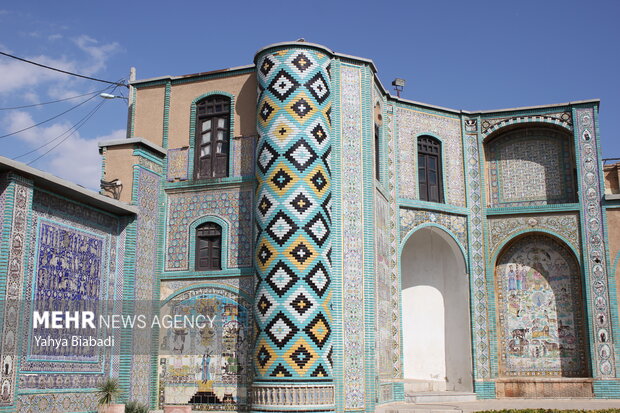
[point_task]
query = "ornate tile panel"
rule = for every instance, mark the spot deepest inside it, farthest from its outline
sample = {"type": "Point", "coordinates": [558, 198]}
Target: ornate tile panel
{"type": "Point", "coordinates": [530, 166]}
{"type": "Point", "coordinates": [457, 224]}
{"type": "Point", "coordinates": [594, 249]}
{"type": "Point", "coordinates": [234, 206]}
{"type": "Point", "coordinates": [383, 284]}
{"type": "Point", "coordinates": [244, 150]}
{"type": "Point", "coordinates": [56, 402]}
{"type": "Point", "coordinates": [503, 228]}
{"type": "Point", "coordinates": [490, 125]}
{"type": "Point", "coordinates": [482, 369]}
{"type": "Point", "coordinates": [393, 234]}
{"type": "Point", "coordinates": [21, 200]}
{"type": "Point", "coordinates": [147, 199]}
{"type": "Point", "coordinates": [178, 164]}
{"type": "Point", "coordinates": [353, 238]}
{"type": "Point", "coordinates": [412, 123]}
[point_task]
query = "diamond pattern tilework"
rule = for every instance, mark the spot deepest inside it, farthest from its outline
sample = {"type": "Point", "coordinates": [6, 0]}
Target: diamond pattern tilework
{"type": "Point", "coordinates": [281, 278]}
{"type": "Point", "coordinates": [293, 216]}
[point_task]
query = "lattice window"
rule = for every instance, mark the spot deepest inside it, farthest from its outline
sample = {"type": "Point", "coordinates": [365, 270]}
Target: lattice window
{"type": "Point", "coordinates": [212, 137]}
{"type": "Point", "coordinates": [429, 169]}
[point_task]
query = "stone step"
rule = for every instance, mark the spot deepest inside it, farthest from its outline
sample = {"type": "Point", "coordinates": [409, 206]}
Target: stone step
{"type": "Point", "coordinates": [400, 407]}
{"type": "Point", "coordinates": [439, 397]}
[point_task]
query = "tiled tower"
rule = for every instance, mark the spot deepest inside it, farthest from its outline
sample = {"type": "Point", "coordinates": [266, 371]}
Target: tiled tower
{"type": "Point", "coordinates": [293, 352]}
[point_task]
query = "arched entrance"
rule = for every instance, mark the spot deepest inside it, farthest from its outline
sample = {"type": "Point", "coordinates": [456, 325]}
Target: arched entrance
{"type": "Point", "coordinates": [541, 327]}
{"type": "Point", "coordinates": [435, 312]}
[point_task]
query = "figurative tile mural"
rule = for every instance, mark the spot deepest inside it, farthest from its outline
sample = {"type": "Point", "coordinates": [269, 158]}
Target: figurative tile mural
{"type": "Point", "coordinates": [594, 248]}
{"type": "Point", "coordinates": [503, 228]}
{"type": "Point", "coordinates": [517, 159]}
{"type": "Point", "coordinates": [178, 164]}
{"type": "Point", "coordinates": [353, 238]}
{"type": "Point", "coordinates": [293, 219]}
{"type": "Point", "coordinates": [540, 307]}
{"type": "Point", "coordinates": [210, 367]}
{"type": "Point", "coordinates": [234, 206]}
{"type": "Point", "coordinates": [412, 123]}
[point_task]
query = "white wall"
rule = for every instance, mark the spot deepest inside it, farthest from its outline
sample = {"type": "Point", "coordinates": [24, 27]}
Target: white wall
{"type": "Point", "coordinates": [435, 300]}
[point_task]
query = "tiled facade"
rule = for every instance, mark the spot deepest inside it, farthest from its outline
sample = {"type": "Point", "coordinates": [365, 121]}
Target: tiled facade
{"type": "Point", "coordinates": [314, 235]}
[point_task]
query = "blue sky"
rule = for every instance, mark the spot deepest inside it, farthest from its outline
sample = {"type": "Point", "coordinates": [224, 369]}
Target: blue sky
{"type": "Point", "coordinates": [472, 55]}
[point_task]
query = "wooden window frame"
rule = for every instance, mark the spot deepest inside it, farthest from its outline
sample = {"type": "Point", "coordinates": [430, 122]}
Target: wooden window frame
{"type": "Point", "coordinates": [216, 163]}
{"type": "Point", "coordinates": [208, 237]}
{"type": "Point", "coordinates": [429, 150]}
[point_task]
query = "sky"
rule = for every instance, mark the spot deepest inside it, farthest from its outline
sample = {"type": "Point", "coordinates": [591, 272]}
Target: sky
{"type": "Point", "coordinates": [470, 55]}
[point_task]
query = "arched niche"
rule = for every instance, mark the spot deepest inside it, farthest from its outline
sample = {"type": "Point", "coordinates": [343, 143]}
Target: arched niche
{"type": "Point", "coordinates": [530, 164]}
{"type": "Point", "coordinates": [540, 309]}
{"type": "Point", "coordinates": [435, 312]}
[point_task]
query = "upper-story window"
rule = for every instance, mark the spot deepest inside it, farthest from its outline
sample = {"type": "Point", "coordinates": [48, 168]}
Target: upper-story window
{"type": "Point", "coordinates": [208, 247]}
{"type": "Point", "coordinates": [212, 137]}
{"type": "Point", "coordinates": [429, 169]}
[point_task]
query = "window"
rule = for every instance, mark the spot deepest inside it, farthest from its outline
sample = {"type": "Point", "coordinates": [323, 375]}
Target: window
{"type": "Point", "coordinates": [212, 137]}
{"type": "Point", "coordinates": [208, 247]}
{"type": "Point", "coordinates": [429, 169]}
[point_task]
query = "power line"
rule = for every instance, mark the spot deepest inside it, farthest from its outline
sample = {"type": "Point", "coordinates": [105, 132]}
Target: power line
{"type": "Point", "coordinates": [53, 101]}
{"type": "Point", "coordinates": [75, 129]}
{"type": "Point", "coordinates": [53, 117]}
{"type": "Point", "coordinates": [77, 125]}
{"type": "Point", "coordinates": [63, 71]}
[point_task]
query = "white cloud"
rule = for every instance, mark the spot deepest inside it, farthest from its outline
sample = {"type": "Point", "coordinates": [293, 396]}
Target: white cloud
{"type": "Point", "coordinates": [99, 53]}
{"type": "Point", "coordinates": [55, 36]}
{"type": "Point", "coordinates": [76, 159]}
{"type": "Point", "coordinates": [31, 97]}
{"type": "Point", "coordinates": [15, 75]}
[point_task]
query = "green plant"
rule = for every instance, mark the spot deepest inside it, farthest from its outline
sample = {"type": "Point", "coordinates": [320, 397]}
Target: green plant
{"type": "Point", "coordinates": [107, 391]}
{"type": "Point", "coordinates": [135, 407]}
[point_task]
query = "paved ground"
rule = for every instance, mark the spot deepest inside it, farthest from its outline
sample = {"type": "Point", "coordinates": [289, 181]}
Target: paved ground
{"type": "Point", "coordinates": [499, 404]}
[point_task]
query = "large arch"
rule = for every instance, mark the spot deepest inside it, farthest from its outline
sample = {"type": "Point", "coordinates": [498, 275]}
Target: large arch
{"type": "Point", "coordinates": [540, 309]}
{"type": "Point", "coordinates": [435, 312]}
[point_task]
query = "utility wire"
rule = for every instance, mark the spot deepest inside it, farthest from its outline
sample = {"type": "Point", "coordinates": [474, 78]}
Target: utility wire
{"type": "Point", "coordinates": [75, 129]}
{"type": "Point", "coordinates": [54, 101]}
{"type": "Point", "coordinates": [63, 71]}
{"type": "Point", "coordinates": [53, 117]}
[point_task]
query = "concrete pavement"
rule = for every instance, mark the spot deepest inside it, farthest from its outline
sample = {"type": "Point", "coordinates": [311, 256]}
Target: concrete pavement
{"type": "Point", "coordinates": [500, 404]}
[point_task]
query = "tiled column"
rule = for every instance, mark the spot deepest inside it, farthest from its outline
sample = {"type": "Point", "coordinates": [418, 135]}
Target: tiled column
{"type": "Point", "coordinates": [293, 350]}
